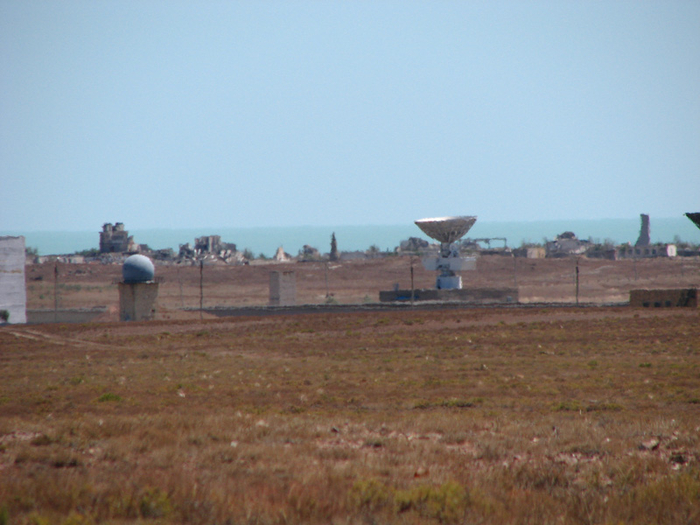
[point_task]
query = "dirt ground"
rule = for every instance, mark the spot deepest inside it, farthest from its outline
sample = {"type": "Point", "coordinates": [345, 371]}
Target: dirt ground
{"type": "Point", "coordinates": [353, 282]}
{"type": "Point", "coordinates": [493, 415]}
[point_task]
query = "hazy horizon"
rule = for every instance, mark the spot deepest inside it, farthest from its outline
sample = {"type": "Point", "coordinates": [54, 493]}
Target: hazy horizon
{"type": "Point", "coordinates": [360, 237]}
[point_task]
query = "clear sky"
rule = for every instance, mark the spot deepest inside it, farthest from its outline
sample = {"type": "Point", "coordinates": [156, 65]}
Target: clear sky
{"type": "Point", "coordinates": [165, 114]}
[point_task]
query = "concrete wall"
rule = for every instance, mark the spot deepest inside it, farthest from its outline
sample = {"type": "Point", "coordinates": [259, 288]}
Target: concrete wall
{"type": "Point", "coordinates": [464, 295]}
{"type": "Point", "coordinates": [137, 301]}
{"type": "Point", "coordinates": [642, 252]}
{"type": "Point", "coordinates": [283, 288]}
{"type": "Point", "coordinates": [13, 291]}
{"type": "Point", "coordinates": [687, 297]}
{"type": "Point", "coordinates": [64, 315]}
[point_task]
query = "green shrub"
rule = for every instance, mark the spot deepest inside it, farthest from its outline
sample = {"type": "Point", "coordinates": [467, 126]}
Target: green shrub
{"type": "Point", "coordinates": [107, 397]}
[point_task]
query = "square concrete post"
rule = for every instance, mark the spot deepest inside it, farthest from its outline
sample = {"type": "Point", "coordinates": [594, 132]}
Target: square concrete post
{"type": "Point", "coordinates": [283, 288]}
{"type": "Point", "coordinates": [13, 289]}
{"type": "Point", "coordinates": [137, 301]}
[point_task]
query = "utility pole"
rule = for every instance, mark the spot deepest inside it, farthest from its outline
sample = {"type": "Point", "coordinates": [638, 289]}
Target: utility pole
{"type": "Point", "coordinates": [55, 292]}
{"type": "Point", "coordinates": [201, 289]}
{"type": "Point", "coordinates": [577, 281]}
{"type": "Point", "coordinates": [413, 288]}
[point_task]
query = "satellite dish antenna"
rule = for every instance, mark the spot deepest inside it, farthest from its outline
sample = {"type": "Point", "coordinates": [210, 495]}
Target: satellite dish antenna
{"type": "Point", "coordinates": [448, 230]}
{"type": "Point", "coordinates": [695, 217]}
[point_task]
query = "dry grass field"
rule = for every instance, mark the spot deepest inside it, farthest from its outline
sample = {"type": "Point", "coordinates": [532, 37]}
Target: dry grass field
{"type": "Point", "coordinates": [494, 416]}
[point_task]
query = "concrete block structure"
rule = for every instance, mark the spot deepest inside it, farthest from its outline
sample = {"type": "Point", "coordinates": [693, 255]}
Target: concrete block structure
{"type": "Point", "coordinates": [684, 297]}
{"type": "Point", "coordinates": [13, 290]}
{"type": "Point", "coordinates": [283, 288]}
{"type": "Point", "coordinates": [137, 301]}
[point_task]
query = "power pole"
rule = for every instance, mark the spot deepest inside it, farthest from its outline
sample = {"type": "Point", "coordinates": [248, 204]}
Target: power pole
{"type": "Point", "coordinates": [413, 289]}
{"type": "Point", "coordinates": [55, 293]}
{"type": "Point", "coordinates": [577, 280]}
{"type": "Point", "coordinates": [201, 289]}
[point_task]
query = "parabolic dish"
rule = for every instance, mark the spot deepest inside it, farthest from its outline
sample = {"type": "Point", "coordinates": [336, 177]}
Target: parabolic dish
{"type": "Point", "coordinates": [695, 217]}
{"type": "Point", "coordinates": [446, 229]}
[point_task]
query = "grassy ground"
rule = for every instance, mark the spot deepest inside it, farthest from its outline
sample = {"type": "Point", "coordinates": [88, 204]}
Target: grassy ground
{"type": "Point", "coordinates": [472, 416]}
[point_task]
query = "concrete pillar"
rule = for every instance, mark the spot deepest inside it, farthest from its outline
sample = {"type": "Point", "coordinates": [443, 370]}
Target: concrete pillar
{"type": "Point", "coordinates": [13, 289]}
{"type": "Point", "coordinates": [137, 301]}
{"type": "Point", "coordinates": [283, 288]}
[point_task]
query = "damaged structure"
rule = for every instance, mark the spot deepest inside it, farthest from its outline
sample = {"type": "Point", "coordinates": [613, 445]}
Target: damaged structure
{"type": "Point", "coordinates": [565, 245]}
{"type": "Point", "coordinates": [115, 239]}
{"type": "Point", "coordinates": [643, 248]}
{"type": "Point", "coordinates": [210, 247]}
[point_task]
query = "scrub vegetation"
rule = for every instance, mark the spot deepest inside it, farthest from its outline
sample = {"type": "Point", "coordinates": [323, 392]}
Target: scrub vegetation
{"type": "Point", "coordinates": [503, 416]}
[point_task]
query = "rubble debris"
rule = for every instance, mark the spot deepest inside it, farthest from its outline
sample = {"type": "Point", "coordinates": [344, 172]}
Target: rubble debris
{"type": "Point", "coordinates": [566, 244]}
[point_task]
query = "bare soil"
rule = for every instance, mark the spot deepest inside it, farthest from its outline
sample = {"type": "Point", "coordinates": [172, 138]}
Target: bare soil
{"type": "Point", "coordinates": [355, 282]}
{"type": "Point", "coordinates": [480, 415]}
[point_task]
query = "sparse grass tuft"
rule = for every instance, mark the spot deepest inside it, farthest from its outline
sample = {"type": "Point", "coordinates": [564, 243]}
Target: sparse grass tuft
{"type": "Point", "coordinates": [108, 397]}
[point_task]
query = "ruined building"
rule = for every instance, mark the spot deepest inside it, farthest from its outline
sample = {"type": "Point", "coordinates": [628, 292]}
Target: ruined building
{"type": "Point", "coordinates": [211, 247]}
{"type": "Point", "coordinates": [115, 239]}
{"type": "Point", "coordinates": [565, 245]}
{"type": "Point", "coordinates": [643, 248]}
{"type": "Point", "coordinates": [643, 239]}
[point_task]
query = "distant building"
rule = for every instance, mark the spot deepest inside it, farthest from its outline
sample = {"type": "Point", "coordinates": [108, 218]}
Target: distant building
{"type": "Point", "coordinates": [627, 251]}
{"type": "Point", "coordinates": [115, 239]}
{"type": "Point", "coordinates": [565, 245]}
{"type": "Point", "coordinates": [531, 252]}
{"type": "Point", "coordinates": [211, 244]}
{"type": "Point", "coordinates": [208, 244]}
{"type": "Point", "coordinates": [414, 245]}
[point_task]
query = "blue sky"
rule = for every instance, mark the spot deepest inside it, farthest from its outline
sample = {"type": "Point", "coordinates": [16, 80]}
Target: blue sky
{"type": "Point", "coordinates": [170, 114]}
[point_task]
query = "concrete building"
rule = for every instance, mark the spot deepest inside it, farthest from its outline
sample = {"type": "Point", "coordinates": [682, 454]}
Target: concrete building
{"type": "Point", "coordinates": [531, 252]}
{"type": "Point", "coordinates": [627, 251]}
{"type": "Point", "coordinates": [114, 238]}
{"type": "Point", "coordinates": [13, 291]}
